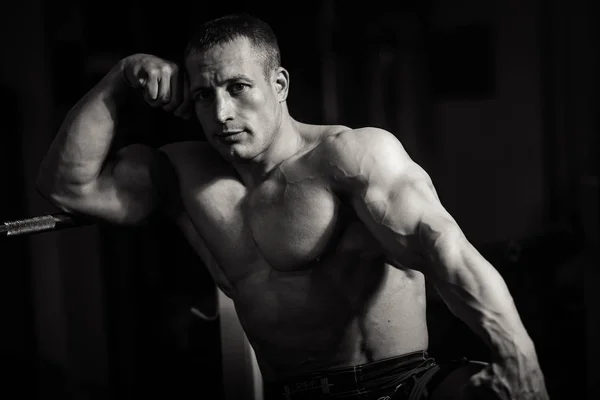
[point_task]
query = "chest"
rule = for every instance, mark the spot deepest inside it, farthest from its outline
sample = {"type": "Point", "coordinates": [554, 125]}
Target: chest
{"type": "Point", "coordinates": [292, 223]}
{"type": "Point", "coordinates": [287, 225]}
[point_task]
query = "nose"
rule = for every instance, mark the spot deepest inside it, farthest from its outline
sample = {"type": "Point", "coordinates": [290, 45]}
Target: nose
{"type": "Point", "coordinates": [223, 109]}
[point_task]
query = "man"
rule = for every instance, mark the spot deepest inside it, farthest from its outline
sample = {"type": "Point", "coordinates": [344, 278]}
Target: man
{"type": "Point", "coordinates": [322, 235]}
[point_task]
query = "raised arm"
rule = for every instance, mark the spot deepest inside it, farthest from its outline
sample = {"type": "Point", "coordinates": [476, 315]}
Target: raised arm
{"type": "Point", "coordinates": [80, 174]}
{"type": "Point", "coordinates": [396, 200]}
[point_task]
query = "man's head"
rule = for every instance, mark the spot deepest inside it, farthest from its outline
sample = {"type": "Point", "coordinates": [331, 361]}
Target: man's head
{"type": "Point", "coordinates": [237, 84]}
{"type": "Point", "coordinates": [228, 28]}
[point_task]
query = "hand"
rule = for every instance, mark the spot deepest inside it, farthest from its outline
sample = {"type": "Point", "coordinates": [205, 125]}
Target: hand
{"type": "Point", "coordinates": [164, 85]}
{"type": "Point", "coordinates": [508, 380]}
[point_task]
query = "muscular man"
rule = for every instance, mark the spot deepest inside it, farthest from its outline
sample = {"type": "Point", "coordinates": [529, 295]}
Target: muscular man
{"type": "Point", "coordinates": [323, 236]}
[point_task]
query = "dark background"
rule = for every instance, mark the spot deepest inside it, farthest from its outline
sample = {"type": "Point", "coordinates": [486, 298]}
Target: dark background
{"type": "Point", "coordinates": [496, 99]}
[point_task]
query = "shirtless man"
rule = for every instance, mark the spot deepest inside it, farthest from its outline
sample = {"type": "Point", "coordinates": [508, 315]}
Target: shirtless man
{"type": "Point", "coordinates": [323, 236]}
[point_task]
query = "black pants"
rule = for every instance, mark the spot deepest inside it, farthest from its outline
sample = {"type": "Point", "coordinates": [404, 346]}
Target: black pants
{"type": "Point", "coordinates": [408, 377]}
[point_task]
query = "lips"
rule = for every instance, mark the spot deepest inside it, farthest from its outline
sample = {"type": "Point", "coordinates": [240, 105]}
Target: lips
{"type": "Point", "coordinates": [230, 136]}
{"type": "Point", "coordinates": [229, 133]}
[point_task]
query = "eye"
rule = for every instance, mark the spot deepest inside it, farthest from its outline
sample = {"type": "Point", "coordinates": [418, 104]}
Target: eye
{"type": "Point", "coordinates": [237, 88]}
{"type": "Point", "coordinates": [203, 94]}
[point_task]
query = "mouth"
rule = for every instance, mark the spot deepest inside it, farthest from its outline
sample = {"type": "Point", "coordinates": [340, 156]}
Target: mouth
{"type": "Point", "coordinates": [229, 135]}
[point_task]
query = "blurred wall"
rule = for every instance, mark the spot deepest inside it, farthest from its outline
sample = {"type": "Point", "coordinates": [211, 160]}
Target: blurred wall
{"type": "Point", "coordinates": [65, 296]}
{"type": "Point", "coordinates": [491, 142]}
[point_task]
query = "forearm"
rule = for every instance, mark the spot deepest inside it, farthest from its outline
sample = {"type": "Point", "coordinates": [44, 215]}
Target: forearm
{"type": "Point", "coordinates": [79, 150]}
{"type": "Point", "coordinates": [477, 294]}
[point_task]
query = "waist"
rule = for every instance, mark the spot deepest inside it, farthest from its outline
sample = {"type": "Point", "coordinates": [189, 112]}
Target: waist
{"type": "Point", "coordinates": [351, 380]}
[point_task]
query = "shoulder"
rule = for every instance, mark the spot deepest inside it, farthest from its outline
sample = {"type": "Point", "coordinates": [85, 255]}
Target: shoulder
{"type": "Point", "coordinates": [361, 135]}
{"type": "Point", "coordinates": [370, 142]}
{"type": "Point", "coordinates": [365, 153]}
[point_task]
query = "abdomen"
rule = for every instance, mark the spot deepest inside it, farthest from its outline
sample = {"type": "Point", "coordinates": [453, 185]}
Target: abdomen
{"type": "Point", "coordinates": [349, 310]}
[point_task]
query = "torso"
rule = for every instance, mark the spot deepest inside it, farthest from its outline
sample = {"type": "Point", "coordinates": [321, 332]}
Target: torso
{"type": "Point", "coordinates": [311, 287]}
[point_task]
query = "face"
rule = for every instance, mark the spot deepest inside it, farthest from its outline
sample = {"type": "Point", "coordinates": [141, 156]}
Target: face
{"type": "Point", "coordinates": [238, 106]}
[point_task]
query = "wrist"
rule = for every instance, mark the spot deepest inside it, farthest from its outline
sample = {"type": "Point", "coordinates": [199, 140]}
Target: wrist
{"type": "Point", "coordinates": [515, 348]}
{"type": "Point", "coordinates": [114, 87]}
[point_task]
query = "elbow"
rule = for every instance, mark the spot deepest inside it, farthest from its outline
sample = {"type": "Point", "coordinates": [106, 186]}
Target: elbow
{"type": "Point", "coordinates": [47, 182]}
{"type": "Point", "coordinates": [63, 196]}
{"type": "Point", "coordinates": [54, 197]}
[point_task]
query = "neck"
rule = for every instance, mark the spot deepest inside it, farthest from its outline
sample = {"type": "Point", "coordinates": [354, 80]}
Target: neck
{"type": "Point", "coordinates": [286, 142]}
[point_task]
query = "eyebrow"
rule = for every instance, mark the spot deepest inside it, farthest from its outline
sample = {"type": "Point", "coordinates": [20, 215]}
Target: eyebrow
{"type": "Point", "coordinates": [233, 78]}
{"type": "Point", "coordinates": [237, 77]}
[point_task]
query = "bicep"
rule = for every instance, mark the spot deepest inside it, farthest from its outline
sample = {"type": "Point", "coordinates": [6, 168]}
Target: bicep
{"type": "Point", "coordinates": [393, 196]}
{"type": "Point", "coordinates": [127, 190]}
{"type": "Point", "coordinates": [404, 213]}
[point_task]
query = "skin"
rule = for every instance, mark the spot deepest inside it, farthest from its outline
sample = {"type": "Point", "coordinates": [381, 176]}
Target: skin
{"type": "Point", "coordinates": [322, 235]}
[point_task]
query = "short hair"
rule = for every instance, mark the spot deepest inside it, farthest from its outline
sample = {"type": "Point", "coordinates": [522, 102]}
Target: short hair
{"type": "Point", "coordinates": [228, 28]}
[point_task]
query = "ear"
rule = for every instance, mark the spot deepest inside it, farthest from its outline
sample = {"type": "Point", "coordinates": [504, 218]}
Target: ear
{"type": "Point", "coordinates": [281, 81]}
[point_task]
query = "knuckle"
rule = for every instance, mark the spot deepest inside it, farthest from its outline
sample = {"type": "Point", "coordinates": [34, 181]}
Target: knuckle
{"type": "Point", "coordinates": [168, 69]}
{"type": "Point", "coordinates": [153, 72]}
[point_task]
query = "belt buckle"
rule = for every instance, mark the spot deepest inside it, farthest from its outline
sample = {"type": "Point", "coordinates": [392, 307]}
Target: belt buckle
{"type": "Point", "coordinates": [312, 384]}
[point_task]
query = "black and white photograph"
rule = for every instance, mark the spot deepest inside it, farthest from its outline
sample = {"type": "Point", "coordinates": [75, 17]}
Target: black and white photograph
{"type": "Point", "coordinates": [299, 200]}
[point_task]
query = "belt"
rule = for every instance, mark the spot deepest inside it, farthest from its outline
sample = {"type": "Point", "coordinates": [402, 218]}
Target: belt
{"type": "Point", "coordinates": [390, 373]}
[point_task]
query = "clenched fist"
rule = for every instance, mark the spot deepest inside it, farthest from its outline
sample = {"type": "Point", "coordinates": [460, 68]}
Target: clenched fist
{"type": "Point", "coordinates": [163, 83]}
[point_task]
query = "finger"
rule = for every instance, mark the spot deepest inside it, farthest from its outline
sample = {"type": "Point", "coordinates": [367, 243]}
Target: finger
{"type": "Point", "coordinates": [176, 92]}
{"type": "Point", "coordinates": [140, 82]}
{"type": "Point", "coordinates": [131, 75]}
{"type": "Point", "coordinates": [165, 84]}
{"type": "Point", "coordinates": [476, 388]}
{"type": "Point", "coordinates": [151, 87]}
